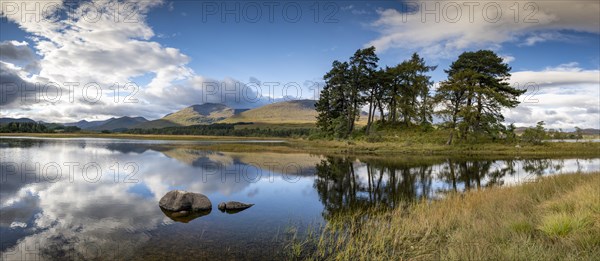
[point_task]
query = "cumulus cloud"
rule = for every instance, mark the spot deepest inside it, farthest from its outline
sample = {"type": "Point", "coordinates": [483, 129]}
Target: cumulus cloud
{"type": "Point", "coordinates": [564, 96]}
{"type": "Point", "coordinates": [19, 89]}
{"type": "Point", "coordinates": [443, 28]}
{"type": "Point", "coordinates": [92, 48]}
{"type": "Point", "coordinates": [15, 51]}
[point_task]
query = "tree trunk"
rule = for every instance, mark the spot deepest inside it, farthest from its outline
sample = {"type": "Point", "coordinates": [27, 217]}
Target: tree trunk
{"type": "Point", "coordinates": [449, 142]}
{"type": "Point", "coordinates": [370, 118]}
{"type": "Point", "coordinates": [469, 123]}
{"type": "Point", "coordinates": [380, 111]}
{"type": "Point", "coordinates": [479, 110]}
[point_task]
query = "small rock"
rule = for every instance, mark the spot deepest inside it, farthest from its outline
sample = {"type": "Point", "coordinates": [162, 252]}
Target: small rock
{"type": "Point", "coordinates": [233, 206]}
{"type": "Point", "coordinates": [177, 200]}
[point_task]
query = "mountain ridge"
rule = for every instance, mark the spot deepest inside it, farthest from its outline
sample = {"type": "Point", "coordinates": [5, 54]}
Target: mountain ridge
{"type": "Point", "coordinates": [294, 111]}
{"type": "Point", "coordinates": [197, 114]}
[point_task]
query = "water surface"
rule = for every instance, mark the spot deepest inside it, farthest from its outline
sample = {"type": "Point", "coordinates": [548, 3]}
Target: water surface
{"type": "Point", "coordinates": [86, 199]}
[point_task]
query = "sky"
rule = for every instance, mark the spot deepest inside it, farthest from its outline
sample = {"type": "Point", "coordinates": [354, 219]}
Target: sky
{"type": "Point", "coordinates": [66, 61]}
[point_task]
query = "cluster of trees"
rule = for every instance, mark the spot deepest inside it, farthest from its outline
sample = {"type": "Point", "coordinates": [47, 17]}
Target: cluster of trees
{"type": "Point", "coordinates": [24, 127]}
{"type": "Point", "coordinates": [469, 101]}
{"type": "Point", "coordinates": [223, 129]}
{"type": "Point", "coordinates": [538, 133]}
{"type": "Point", "coordinates": [475, 93]}
{"type": "Point", "coordinates": [534, 135]}
{"type": "Point", "coordinates": [561, 135]}
{"type": "Point", "coordinates": [402, 91]}
{"type": "Point", "coordinates": [35, 127]}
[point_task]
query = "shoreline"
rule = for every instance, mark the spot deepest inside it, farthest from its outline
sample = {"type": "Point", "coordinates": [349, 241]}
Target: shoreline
{"type": "Point", "coordinates": [554, 218]}
{"type": "Point", "coordinates": [333, 147]}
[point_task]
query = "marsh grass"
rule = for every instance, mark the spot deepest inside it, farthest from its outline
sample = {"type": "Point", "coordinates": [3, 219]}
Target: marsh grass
{"type": "Point", "coordinates": [556, 218]}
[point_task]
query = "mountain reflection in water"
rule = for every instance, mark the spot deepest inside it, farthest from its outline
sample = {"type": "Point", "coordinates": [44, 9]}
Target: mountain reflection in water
{"type": "Point", "coordinates": [72, 216]}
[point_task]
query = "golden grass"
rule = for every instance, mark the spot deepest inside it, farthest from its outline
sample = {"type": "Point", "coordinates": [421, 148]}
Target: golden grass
{"type": "Point", "coordinates": [556, 218]}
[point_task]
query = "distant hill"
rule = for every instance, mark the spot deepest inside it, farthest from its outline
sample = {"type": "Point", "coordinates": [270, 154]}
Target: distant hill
{"type": "Point", "coordinates": [116, 124]}
{"type": "Point", "coordinates": [591, 131]}
{"type": "Point", "coordinates": [9, 120]}
{"type": "Point", "coordinates": [520, 130]}
{"type": "Point", "coordinates": [202, 114]}
{"type": "Point", "coordinates": [155, 124]}
{"type": "Point", "coordinates": [297, 111]}
{"type": "Point", "coordinates": [85, 125]}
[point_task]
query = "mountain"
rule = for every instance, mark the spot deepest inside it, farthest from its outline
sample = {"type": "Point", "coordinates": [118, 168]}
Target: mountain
{"type": "Point", "coordinates": [203, 114]}
{"type": "Point", "coordinates": [297, 111]}
{"type": "Point", "coordinates": [86, 125]}
{"type": "Point", "coordinates": [9, 120]}
{"type": "Point", "coordinates": [117, 124]}
{"type": "Point", "coordinates": [200, 114]}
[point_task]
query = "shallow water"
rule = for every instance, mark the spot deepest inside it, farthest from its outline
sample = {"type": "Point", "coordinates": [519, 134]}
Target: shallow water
{"type": "Point", "coordinates": [97, 199]}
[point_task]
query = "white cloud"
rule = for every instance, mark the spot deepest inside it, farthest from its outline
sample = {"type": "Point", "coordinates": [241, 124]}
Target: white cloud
{"type": "Point", "coordinates": [564, 96]}
{"type": "Point", "coordinates": [112, 46]}
{"type": "Point", "coordinates": [476, 24]}
{"type": "Point", "coordinates": [508, 58]}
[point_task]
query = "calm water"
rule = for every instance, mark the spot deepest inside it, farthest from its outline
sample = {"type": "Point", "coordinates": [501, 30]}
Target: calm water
{"type": "Point", "coordinates": [97, 199]}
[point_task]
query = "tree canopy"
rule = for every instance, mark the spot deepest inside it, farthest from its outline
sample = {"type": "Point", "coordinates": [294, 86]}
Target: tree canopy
{"type": "Point", "coordinates": [470, 101]}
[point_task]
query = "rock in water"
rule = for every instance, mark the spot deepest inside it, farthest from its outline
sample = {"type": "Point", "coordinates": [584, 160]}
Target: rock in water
{"type": "Point", "coordinates": [177, 200]}
{"type": "Point", "coordinates": [185, 216]}
{"type": "Point", "coordinates": [233, 206]}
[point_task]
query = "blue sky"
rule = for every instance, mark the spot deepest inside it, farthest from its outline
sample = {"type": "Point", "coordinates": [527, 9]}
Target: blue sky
{"type": "Point", "coordinates": [173, 48]}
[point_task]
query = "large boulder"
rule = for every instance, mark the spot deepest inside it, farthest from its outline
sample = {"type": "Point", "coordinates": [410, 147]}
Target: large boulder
{"type": "Point", "coordinates": [177, 200]}
{"type": "Point", "coordinates": [233, 206]}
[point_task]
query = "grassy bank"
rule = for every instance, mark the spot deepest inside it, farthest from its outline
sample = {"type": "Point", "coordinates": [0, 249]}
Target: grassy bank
{"type": "Point", "coordinates": [473, 149]}
{"type": "Point", "coordinates": [555, 218]}
{"type": "Point", "coordinates": [401, 144]}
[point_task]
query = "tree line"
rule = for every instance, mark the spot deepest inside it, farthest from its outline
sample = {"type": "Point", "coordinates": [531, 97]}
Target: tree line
{"type": "Point", "coordinates": [469, 102]}
{"type": "Point", "coordinates": [225, 129]}
{"type": "Point", "coordinates": [35, 127]}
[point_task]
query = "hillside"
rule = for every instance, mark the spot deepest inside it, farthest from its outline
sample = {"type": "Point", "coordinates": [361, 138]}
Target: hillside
{"type": "Point", "coordinates": [203, 114]}
{"type": "Point", "coordinates": [9, 120]}
{"type": "Point", "coordinates": [155, 124]}
{"type": "Point", "coordinates": [119, 123]}
{"type": "Point", "coordinates": [85, 125]}
{"type": "Point", "coordinates": [298, 111]}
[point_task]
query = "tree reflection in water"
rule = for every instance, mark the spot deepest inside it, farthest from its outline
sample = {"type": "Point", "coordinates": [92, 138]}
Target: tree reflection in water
{"type": "Point", "coordinates": [346, 184]}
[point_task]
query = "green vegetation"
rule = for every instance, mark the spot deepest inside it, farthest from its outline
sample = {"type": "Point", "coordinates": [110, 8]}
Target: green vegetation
{"type": "Point", "coordinates": [561, 135]}
{"type": "Point", "coordinates": [471, 99]}
{"type": "Point", "coordinates": [386, 142]}
{"type": "Point", "coordinates": [223, 129]}
{"type": "Point", "coordinates": [34, 127]}
{"type": "Point", "coordinates": [534, 135]}
{"type": "Point", "coordinates": [25, 127]}
{"type": "Point", "coordinates": [553, 218]}
{"type": "Point", "coordinates": [343, 96]}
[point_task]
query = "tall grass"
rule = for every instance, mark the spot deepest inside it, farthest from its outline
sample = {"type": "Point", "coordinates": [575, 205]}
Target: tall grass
{"type": "Point", "coordinates": [555, 218]}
